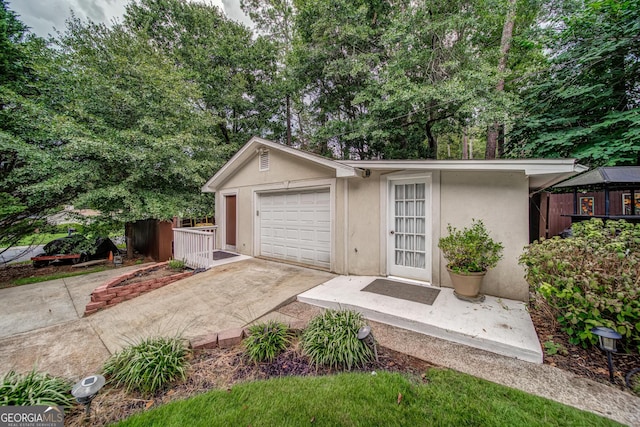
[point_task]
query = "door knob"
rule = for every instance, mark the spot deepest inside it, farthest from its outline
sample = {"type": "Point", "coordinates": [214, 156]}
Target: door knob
{"type": "Point", "coordinates": [392, 232]}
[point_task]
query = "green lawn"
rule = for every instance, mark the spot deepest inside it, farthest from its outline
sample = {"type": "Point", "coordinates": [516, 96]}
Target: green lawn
{"type": "Point", "coordinates": [44, 238]}
{"type": "Point", "coordinates": [38, 239]}
{"type": "Point", "coordinates": [447, 398]}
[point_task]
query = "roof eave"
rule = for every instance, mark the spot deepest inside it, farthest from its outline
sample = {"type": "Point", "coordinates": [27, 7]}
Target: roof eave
{"type": "Point", "coordinates": [245, 153]}
{"type": "Point", "coordinates": [542, 173]}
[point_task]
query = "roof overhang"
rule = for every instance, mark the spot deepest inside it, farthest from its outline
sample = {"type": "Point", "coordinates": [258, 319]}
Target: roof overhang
{"type": "Point", "coordinates": [607, 176]}
{"type": "Point", "coordinates": [254, 144]}
{"type": "Point", "coordinates": [542, 173]}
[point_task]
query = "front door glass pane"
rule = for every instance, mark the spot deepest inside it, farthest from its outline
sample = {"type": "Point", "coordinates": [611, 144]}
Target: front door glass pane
{"type": "Point", "coordinates": [409, 221]}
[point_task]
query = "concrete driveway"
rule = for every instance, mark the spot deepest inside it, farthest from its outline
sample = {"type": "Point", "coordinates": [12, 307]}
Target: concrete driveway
{"type": "Point", "coordinates": [41, 324]}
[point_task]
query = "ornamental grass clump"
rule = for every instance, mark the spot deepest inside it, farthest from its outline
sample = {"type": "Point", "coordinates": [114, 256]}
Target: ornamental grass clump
{"type": "Point", "coordinates": [331, 339]}
{"type": "Point", "coordinates": [470, 250]}
{"type": "Point", "coordinates": [591, 279]}
{"type": "Point", "coordinates": [176, 264]}
{"type": "Point", "coordinates": [266, 340]}
{"type": "Point", "coordinates": [149, 366]}
{"type": "Point", "coordinates": [35, 388]}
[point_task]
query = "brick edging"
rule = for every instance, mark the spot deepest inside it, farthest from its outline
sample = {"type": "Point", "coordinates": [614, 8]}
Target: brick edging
{"type": "Point", "coordinates": [109, 294]}
{"type": "Point", "coordinates": [231, 337]}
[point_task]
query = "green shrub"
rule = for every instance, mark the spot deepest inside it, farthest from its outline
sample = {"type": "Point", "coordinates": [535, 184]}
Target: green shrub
{"type": "Point", "coordinates": [266, 340]}
{"type": "Point", "coordinates": [591, 279]}
{"type": "Point", "coordinates": [470, 250]}
{"type": "Point", "coordinates": [176, 264]}
{"type": "Point", "coordinates": [332, 339]}
{"type": "Point", "coordinates": [148, 366]}
{"type": "Point", "coordinates": [35, 388]}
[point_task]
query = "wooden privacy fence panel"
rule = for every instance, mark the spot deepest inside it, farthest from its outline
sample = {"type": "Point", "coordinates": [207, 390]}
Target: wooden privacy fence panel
{"type": "Point", "coordinates": [195, 245]}
{"type": "Point", "coordinates": [562, 204]}
{"type": "Point", "coordinates": [150, 237]}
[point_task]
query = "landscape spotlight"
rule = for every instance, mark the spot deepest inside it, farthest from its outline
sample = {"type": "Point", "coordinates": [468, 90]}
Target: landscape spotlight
{"type": "Point", "coordinates": [607, 338]}
{"type": "Point", "coordinates": [85, 390]}
{"type": "Point", "coordinates": [365, 335]}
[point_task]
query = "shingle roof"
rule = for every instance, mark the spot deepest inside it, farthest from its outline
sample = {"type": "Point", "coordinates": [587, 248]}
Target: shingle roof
{"type": "Point", "coordinates": [610, 175]}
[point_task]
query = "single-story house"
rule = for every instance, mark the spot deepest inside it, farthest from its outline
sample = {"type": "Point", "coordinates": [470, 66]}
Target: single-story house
{"type": "Point", "coordinates": [376, 217]}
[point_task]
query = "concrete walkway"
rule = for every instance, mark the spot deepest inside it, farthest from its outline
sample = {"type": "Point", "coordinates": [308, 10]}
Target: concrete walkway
{"type": "Point", "coordinates": [538, 379]}
{"type": "Point", "coordinates": [41, 326]}
{"type": "Point", "coordinates": [498, 325]}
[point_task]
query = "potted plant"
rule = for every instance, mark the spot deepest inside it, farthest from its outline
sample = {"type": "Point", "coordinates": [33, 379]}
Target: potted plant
{"type": "Point", "coordinates": [470, 252]}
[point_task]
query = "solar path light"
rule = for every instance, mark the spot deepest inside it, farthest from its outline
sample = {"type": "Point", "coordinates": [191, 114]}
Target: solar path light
{"type": "Point", "coordinates": [365, 335]}
{"type": "Point", "coordinates": [607, 338]}
{"type": "Point", "coordinates": [85, 390]}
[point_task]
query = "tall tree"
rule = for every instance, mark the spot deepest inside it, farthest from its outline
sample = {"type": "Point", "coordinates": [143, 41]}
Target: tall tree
{"type": "Point", "coordinates": [586, 103]}
{"type": "Point", "coordinates": [434, 80]}
{"type": "Point", "coordinates": [29, 131]}
{"type": "Point", "coordinates": [505, 46]}
{"type": "Point", "coordinates": [234, 72]}
{"type": "Point", "coordinates": [388, 80]}
{"type": "Point", "coordinates": [336, 56]}
{"type": "Point", "coordinates": [276, 18]}
{"type": "Point", "coordinates": [145, 147]}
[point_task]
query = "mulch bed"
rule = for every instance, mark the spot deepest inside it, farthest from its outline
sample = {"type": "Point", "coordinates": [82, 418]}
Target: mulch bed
{"type": "Point", "coordinates": [154, 273]}
{"type": "Point", "coordinates": [589, 363]}
{"type": "Point", "coordinates": [221, 369]}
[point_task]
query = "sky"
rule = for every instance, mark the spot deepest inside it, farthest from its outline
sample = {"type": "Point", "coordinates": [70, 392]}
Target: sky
{"type": "Point", "coordinates": [42, 16]}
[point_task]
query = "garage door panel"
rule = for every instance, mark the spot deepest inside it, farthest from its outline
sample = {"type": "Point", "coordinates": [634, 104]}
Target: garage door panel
{"type": "Point", "coordinates": [323, 237]}
{"type": "Point", "coordinates": [291, 216]}
{"type": "Point", "coordinates": [296, 226]}
{"type": "Point", "coordinates": [308, 256]}
{"type": "Point", "coordinates": [308, 236]}
{"type": "Point", "coordinates": [323, 256]}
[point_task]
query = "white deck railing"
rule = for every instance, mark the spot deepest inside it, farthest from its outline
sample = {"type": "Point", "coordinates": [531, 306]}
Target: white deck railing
{"type": "Point", "coordinates": [195, 245]}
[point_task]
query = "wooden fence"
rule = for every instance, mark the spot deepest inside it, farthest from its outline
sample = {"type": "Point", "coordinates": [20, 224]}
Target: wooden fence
{"type": "Point", "coordinates": [553, 209]}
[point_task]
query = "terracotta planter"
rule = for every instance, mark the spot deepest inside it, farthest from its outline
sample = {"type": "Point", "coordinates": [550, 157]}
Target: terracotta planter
{"type": "Point", "coordinates": [466, 285]}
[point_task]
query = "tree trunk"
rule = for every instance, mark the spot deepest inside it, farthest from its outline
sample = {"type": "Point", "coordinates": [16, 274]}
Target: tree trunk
{"type": "Point", "coordinates": [433, 143]}
{"type": "Point", "coordinates": [225, 133]}
{"type": "Point", "coordinates": [288, 102]}
{"type": "Point", "coordinates": [129, 239]}
{"type": "Point", "coordinates": [505, 46]}
{"type": "Point", "coordinates": [465, 142]}
{"type": "Point", "coordinates": [619, 80]}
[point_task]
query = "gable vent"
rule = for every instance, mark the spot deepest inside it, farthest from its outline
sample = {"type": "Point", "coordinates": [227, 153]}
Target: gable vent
{"type": "Point", "coordinates": [264, 160]}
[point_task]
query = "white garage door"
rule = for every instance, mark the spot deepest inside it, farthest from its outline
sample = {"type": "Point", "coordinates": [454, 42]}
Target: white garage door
{"type": "Point", "coordinates": [296, 226]}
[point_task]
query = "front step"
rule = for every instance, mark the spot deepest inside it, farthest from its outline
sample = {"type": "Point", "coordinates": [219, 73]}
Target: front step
{"type": "Point", "coordinates": [497, 325]}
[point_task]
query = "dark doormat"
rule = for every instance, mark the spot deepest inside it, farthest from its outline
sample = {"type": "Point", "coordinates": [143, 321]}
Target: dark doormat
{"type": "Point", "coordinates": [218, 255]}
{"type": "Point", "coordinates": [390, 288]}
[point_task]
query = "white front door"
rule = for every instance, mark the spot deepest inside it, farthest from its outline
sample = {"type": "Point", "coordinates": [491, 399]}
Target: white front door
{"type": "Point", "coordinates": [409, 228]}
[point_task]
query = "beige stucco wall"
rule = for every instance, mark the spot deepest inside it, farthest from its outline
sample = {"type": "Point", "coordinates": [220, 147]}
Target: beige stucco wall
{"type": "Point", "coordinates": [500, 200]}
{"type": "Point", "coordinates": [285, 173]}
{"type": "Point", "coordinates": [364, 237]}
{"type": "Point", "coordinates": [359, 238]}
{"type": "Point", "coordinates": [283, 168]}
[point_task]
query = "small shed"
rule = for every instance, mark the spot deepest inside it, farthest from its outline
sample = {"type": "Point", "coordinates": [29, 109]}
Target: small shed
{"type": "Point", "coordinates": [378, 217]}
